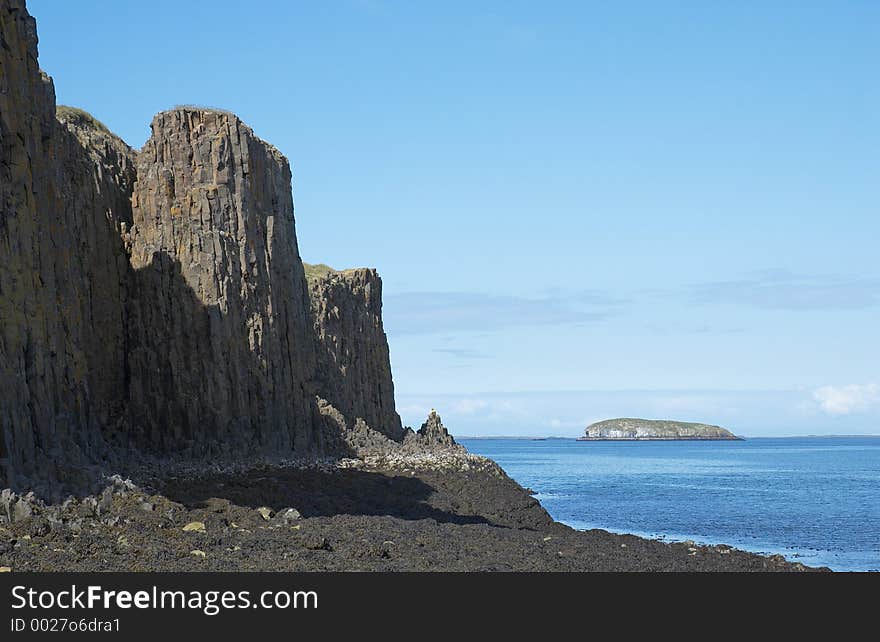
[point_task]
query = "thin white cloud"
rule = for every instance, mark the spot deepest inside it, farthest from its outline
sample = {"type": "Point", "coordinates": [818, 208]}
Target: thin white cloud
{"type": "Point", "coordinates": [414, 410]}
{"type": "Point", "coordinates": [469, 406]}
{"type": "Point", "coordinates": [466, 354]}
{"type": "Point", "coordinates": [751, 413]}
{"type": "Point", "coordinates": [437, 312]}
{"type": "Point", "coordinates": [845, 400]}
{"type": "Point", "coordinates": [783, 290]}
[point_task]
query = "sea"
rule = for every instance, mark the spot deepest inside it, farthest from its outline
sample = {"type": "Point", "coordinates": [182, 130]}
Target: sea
{"type": "Point", "coordinates": [815, 500]}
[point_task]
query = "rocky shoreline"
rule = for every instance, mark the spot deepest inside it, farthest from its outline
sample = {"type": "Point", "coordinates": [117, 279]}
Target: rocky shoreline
{"type": "Point", "coordinates": [440, 509]}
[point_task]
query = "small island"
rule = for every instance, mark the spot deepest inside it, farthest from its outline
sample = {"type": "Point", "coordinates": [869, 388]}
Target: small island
{"type": "Point", "coordinates": [654, 430]}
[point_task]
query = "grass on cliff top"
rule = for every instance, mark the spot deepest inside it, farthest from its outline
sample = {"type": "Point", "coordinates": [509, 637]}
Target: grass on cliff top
{"type": "Point", "coordinates": [81, 117]}
{"type": "Point", "coordinates": [318, 270]}
{"type": "Point", "coordinates": [193, 107]}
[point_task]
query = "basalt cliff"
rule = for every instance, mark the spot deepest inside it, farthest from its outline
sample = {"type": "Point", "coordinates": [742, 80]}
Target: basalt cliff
{"type": "Point", "coordinates": [153, 302]}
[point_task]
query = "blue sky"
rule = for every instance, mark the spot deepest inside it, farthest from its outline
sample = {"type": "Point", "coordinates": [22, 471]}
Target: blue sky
{"type": "Point", "coordinates": [579, 210]}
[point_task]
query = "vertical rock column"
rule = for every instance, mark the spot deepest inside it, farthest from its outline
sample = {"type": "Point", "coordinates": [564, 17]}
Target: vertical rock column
{"type": "Point", "coordinates": [96, 170]}
{"type": "Point", "coordinates": [354, 367]}
{"type": "Point", "coordinates": [221, 353]}
{"type": "Point", "coordinates": [41, 373]}
{"type": "Point", "coordinates": [61, 263]}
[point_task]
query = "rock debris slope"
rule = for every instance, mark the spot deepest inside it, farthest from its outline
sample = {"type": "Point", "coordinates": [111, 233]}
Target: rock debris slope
{"type": "Point", "coordinates": [154, 303]}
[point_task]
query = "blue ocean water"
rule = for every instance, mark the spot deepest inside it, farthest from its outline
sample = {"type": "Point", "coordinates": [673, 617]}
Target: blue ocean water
{"type": "Point", "coordinates": [815, 500]}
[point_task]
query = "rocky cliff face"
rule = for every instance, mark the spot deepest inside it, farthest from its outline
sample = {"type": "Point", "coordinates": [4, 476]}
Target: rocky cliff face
{"type": "Point", "coordinates": [354, 366]}
{"type": "Point", "coordinates": [98, 172]}
{"type": "Point", "coordinates": [60, 274]}
{"type": "Point", "coordinates": [221, 353]}
{"type": "Point", "coordinates": [155, 302]}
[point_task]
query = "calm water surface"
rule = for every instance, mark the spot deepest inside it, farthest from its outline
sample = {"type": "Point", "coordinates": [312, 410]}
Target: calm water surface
{"type": "Point", "coordinates": [815, 500]}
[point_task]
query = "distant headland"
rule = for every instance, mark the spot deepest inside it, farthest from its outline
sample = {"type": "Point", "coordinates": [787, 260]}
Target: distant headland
{"type": "Point", "coordinates": [654, 430]}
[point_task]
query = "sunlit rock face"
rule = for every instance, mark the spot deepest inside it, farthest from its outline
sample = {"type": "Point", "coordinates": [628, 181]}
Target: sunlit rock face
{"type": "Point", "coordinates": [220, 307]}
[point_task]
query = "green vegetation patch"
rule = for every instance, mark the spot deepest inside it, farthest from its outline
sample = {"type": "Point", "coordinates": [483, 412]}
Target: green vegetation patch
{"type": "Point", "coordinates": [216, 110]}
{"type": "Point", "coordinates": [80, 117]}
{"type": "Point", "coordinates": [317, 271]}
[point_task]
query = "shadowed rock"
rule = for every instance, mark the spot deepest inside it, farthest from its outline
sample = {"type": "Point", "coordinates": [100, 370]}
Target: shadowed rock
{"type": "Point", "coordinates": [64, 191]}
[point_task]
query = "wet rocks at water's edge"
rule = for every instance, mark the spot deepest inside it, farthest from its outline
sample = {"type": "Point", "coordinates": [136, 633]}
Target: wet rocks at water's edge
{"type": "Point", "coordinates": [331, 517]}
{"type": "Point", "coordinates": [423, 504]}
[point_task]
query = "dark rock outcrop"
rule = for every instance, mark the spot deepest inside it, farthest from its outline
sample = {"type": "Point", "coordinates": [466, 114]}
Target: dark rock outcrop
{"type": "Point", "coordinates": [354, 367]}
{"type": "Point", "coordinates": [434, 432]}
{"type": "Point", "coordinates": [62, 273]}
{"type": "Point", "coordinates": [98, 175]}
